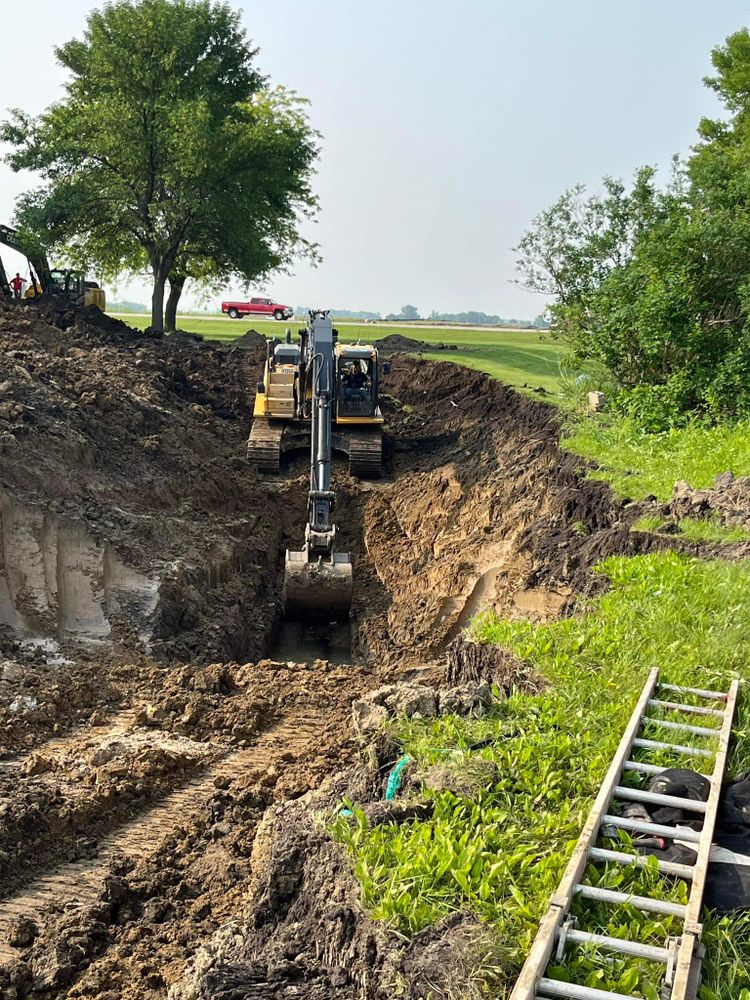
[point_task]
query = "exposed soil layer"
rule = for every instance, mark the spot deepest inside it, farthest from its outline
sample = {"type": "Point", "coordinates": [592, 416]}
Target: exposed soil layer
{"type": "Point", "coordinates": [164, 785]}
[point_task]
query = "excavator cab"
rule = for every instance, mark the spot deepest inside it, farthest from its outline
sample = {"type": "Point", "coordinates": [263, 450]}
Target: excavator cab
{"type": "Point", "coordinates": [357, 383]}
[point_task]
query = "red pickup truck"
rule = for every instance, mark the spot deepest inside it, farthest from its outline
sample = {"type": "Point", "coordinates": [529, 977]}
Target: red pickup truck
{"type": "Point", "coordinates": [257, 307]}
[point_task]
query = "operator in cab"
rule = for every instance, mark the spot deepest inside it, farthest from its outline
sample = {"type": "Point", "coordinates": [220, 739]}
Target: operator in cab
{"type": "Point", "coordinates": [355, 381]}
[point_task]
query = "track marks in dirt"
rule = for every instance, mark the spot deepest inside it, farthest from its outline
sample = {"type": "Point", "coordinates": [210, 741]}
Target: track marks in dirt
{"type": "Point", "coordinates": [81, 882]}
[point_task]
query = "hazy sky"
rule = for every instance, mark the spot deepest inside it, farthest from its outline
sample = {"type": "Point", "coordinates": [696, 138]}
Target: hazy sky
{"type": "Point", "coordinates": [446, 126]}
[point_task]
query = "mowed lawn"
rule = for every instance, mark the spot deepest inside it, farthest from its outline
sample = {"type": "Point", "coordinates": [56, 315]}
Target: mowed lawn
{"type": "Point", "coordinates": [524, 359]}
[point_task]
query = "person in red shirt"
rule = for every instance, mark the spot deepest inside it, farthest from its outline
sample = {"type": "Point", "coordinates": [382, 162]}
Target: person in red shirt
{"type": "Point", "coordinates": [17, 285]}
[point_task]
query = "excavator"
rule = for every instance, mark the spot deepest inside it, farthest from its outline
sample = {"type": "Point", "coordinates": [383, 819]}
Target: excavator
{"type": "Point", "coordinates": [285, 397]}
{"type": "Point", "coordinates": [316, 375]}
{"type": "Point", "coordinates": [65, 285]}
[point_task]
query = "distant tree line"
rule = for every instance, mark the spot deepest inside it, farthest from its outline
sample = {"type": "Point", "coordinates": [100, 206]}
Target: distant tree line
{"type": "Point", "coordinates": [127, 307]}
{"type": "Point", "coordinates": [410, 313]}
{"type": "Point", "coordinates": [340, 313]}
{"type": "Point", "coordinates": [652, 284]}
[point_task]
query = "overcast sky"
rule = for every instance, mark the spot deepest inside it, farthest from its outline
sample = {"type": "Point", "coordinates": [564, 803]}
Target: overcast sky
{"type": "Point", "coordinates": [446, 126]}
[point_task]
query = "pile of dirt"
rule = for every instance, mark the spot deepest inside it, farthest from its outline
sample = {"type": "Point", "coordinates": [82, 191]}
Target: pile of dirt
{"type": "Point", "coordinates": [138, 442]}
{"type": "Point", "coordinates": [396, 343]}
{"type": "Point", "coordinates": [728, 500]}
{"type": "Point", "coordinates": [250, 341]}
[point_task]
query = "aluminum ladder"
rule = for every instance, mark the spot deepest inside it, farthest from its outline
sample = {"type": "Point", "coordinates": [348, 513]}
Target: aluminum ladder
{"type": "Point", "coordinates": [681, 956]}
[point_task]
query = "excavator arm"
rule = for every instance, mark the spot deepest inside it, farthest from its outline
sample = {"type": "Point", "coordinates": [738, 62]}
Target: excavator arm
{"type": "Point", "coordinates": [38, 263]}
{"type": "Point", "coordinates": [318, 579]}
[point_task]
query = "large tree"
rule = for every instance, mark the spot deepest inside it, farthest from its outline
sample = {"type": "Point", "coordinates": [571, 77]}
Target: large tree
{"type": "Point", "coordinates": [168, 152]}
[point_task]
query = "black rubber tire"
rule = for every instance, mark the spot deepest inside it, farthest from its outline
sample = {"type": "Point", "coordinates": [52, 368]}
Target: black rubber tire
{"type": "Point", "coordinates": [233, 314]}
{"type": "Point", "coordinates": [278, 314]}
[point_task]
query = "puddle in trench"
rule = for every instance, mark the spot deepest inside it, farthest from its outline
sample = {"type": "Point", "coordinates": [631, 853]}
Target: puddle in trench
{"type": "Point", "coordinates": [301, 641]}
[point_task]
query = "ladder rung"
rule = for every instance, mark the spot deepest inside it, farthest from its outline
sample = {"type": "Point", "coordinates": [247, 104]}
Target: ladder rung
{"type": "Point", "coordinates": [649, 720]}
{"type": "Point", "coordinates": [637, 795]}
{"type": "Point", "coordinates": [655, 829]}
{"type": "Point", "coordinates": [646, 903]}
{"type": "Point", "coordinates": [698, 692]}
{"type": "Point", "coordinates": [648, 951]}
{"type": "Point", "coordinates": [677, 747]}
{"type": "Point", "coordinates": [641, 861]}
{"type": "Point", "coordinates": [638, 765]}
{"type": "Point", "coordinates": [557, 988]}
{"type": "Point", "coordinates": [677, 706]}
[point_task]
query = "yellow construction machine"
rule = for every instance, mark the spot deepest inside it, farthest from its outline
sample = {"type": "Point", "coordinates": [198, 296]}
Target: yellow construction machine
{"type": "Point", "coordinates": [63, 284]}
{"type": "Point", "coordinates": [284, 401]}
{"type": "Point", "coordinates": [323, 394]}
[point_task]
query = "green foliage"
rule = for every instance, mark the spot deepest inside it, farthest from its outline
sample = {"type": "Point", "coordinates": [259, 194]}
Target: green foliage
{"type": "Point", "coordinates": [502, 850]}
{"type": "Point", "coordinates": [639, 464]}
{"type": "Point", "coordinates": [655, 284]}
{"type": "Point", "coordinates": [168, 150]}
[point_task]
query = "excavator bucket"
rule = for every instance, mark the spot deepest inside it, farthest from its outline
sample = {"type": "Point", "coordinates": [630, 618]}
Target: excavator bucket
{"type": "Point", "coordinates": [320, 589]}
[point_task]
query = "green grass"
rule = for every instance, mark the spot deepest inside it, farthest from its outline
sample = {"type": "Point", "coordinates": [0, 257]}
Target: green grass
{"type": "Point", "coordinates": [524, 359]}
{"type": "Point", "coordinates": [502, 851]}
{"type": "Point", "coordinates": [708, 530]}
{"type": "Point", "coordinates": [638, 464]}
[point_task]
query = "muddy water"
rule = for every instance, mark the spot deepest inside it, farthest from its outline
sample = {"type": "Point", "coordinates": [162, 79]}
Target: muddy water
{"type": "Point", "coordinates": [302, 642]}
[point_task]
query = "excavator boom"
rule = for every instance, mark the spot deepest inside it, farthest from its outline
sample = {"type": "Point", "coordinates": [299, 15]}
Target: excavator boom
{"type": "Point", "coordinates": [318, 580]}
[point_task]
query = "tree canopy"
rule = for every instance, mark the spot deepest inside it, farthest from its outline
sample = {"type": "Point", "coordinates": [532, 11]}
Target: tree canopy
{"type": "Point", "coordinates": [169, 151]}
{"type": "Point", "coordinates": [653, 283]}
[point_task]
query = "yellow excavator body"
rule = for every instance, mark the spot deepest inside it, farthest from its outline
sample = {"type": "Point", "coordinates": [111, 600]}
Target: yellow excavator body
{"type": "Point", "coordinates": [283, 403]}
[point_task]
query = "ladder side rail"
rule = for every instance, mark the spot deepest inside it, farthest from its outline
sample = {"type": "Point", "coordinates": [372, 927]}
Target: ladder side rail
{"type": "Point", "coordinates": [690, 941]}
{"type": "Point", "coordinates": [544, 943]}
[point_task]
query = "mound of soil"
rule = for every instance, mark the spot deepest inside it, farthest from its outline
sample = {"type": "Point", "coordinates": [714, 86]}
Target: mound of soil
{"type": "Point", "coordinates": [250, 341]}
{"type": "Point", "coordinates": [139, 440]}
{"type": "Point", "coordinates": [396, 342]}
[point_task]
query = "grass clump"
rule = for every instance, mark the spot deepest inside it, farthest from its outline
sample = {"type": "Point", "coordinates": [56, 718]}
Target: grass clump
{"type": "Point", "coordinates": [502, 850]}
{"type": "Point", "coordinates": [639, 464]}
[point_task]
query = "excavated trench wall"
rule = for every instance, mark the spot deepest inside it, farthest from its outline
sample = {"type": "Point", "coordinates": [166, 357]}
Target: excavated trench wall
{"type": "Point", "coordinates": [57, 582]}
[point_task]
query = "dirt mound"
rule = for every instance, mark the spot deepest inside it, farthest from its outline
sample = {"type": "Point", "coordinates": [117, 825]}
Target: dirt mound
{"type": "Point", "coordinates": [139, 441]}
{"type": "Point", "coordinates": [252, 340]}
{"type": "Point", "coordinates": [396, 342]}
{"type": "Point", "coordinates": [728, 499]}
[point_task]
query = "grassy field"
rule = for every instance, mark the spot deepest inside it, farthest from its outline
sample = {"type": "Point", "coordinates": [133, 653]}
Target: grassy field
{"type": "Point", "coordinates": [524, 359]}
{"type": "Point", "coordinates": [639, 464]}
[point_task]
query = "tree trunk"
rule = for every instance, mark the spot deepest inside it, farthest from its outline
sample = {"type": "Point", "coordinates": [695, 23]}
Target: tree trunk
{"type": "Point", "coordinates": [176, 284]}
{"type": "Point", "coordinates": [157, 301]}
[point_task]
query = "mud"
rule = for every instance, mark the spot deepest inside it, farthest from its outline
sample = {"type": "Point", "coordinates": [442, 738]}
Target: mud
{"type": "Point", "coordinates": [165, 784]}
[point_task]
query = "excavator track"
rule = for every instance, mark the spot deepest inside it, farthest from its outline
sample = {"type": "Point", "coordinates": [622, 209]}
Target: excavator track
{"type": "Point", "coordinates": [264, 445]}
{"type": "Point", "coordinates": [366, 452]}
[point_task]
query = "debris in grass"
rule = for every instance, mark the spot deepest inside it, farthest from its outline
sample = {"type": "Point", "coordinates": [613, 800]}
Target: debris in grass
{"type": "Point", "coordinates": [411, 701]}
{"type": "Point", "coordinates": [471, 662]}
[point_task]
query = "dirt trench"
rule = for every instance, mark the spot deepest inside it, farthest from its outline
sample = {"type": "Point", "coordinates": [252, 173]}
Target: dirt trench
{"type": "Point", "coordinates": [171, 751]}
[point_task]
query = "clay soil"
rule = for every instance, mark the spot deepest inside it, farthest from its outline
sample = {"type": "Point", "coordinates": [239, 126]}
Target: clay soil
{"type": "Point", "coordinates": [164, 780]}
